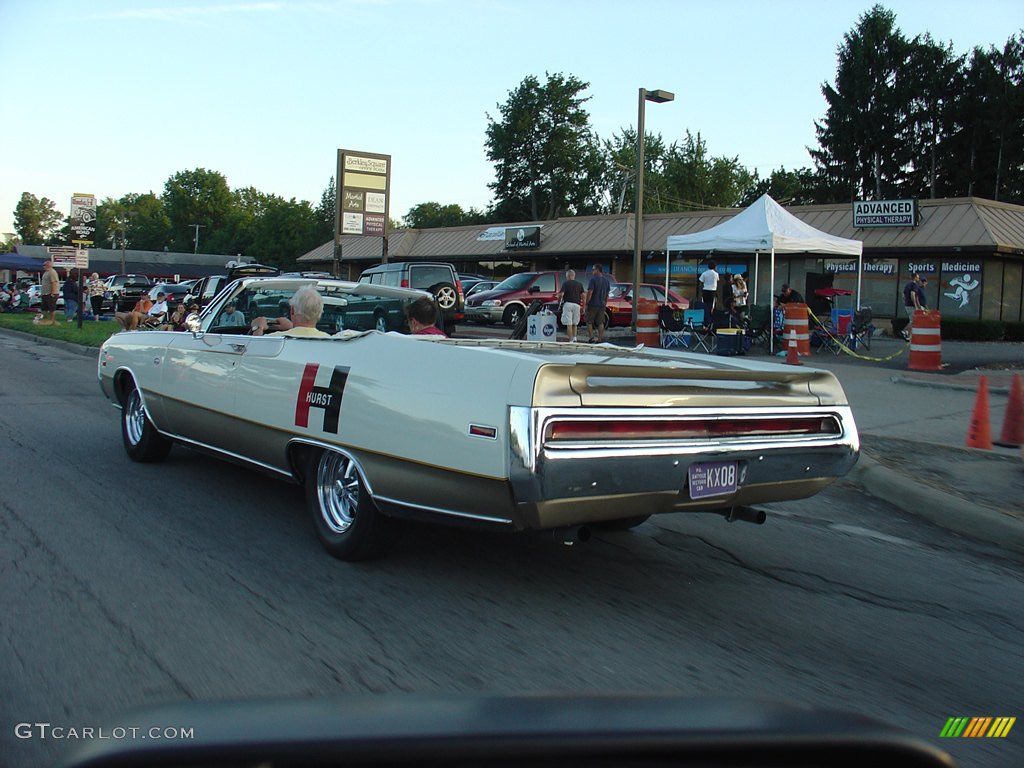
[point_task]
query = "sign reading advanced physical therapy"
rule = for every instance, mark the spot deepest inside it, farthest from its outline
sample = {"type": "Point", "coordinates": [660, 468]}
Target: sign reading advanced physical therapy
{"type": "Point", "coordinates": [884, 213]}
{"type": "Point", "coordinates": [363, 204]}
{"type": "Point", "coordinates": [83, 219]}
{"type": "Point", "coordinates": [522, 238]}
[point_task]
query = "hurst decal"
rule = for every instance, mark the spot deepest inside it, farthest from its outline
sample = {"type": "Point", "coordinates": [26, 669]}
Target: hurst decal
{"type": "Point", "coordinates": [328, 398]}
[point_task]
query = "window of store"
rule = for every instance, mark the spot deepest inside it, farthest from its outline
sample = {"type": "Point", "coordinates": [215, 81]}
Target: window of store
{"type": "Point", "coordinates": [992, 290]}
{"type": "Point", "coordinates": [1013, 277]}
{"type": "Point", "coordinates": [959, 290]}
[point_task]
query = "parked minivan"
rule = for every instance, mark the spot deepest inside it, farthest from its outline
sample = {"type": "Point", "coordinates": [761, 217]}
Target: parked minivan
{"type": "Point", "coordinates": [508, 300]}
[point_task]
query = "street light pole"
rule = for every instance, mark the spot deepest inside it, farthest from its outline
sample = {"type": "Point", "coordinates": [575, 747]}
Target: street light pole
{"type": "Point", "coordinates": [658, 97]}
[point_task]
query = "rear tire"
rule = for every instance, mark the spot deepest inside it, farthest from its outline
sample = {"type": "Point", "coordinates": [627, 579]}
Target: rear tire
{"type": "Point", "coordinates": [345, 519]}
{"type": "Point", "coordinates": [141, 440]}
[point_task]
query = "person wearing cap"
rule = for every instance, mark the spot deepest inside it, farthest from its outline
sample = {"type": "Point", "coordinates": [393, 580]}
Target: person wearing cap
{"type": "Point", "coordinates": [50, 287]}
{"type": "Point", "coordinates": [159, 310]}
{"type": "Point", "coordinates": [231, 316]}
{"type": "Point", "coordinates": [789, 296]}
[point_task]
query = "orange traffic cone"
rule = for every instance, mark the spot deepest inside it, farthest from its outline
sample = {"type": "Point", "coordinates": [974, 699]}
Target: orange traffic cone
{"type": "Point", "coordinates": [1013, 423]}
{"type": "Point", "coordinates": [979, 434]}
{"type": "Point", "coordinates": [792, 358]}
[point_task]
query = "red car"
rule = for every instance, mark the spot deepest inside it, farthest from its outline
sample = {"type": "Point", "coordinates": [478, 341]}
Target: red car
{"type": "Point", "coordinates": [620, 304]}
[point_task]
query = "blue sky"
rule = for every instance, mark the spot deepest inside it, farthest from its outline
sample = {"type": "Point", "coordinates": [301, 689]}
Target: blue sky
{"type": "Point", "coordinates": [114, 96]}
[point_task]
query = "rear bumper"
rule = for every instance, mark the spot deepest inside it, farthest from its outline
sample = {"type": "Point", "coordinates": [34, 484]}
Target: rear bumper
{"type": "Point", "coordinates": [578, 484]}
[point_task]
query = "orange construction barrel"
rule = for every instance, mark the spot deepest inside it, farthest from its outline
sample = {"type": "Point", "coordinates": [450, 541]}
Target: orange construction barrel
{"type": "Point", "coordinates": [796, 324]}
{"type": "Point", "coordinates": [926, 341]}
{"type": "Point", "coordinates": [647, 323]}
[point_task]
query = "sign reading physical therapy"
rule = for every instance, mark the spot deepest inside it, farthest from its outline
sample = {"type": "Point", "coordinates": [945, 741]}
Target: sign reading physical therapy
{"type": "Point", "coordinates": [364, 181]}
{"type": "Point", "coordinates": [884, 213]}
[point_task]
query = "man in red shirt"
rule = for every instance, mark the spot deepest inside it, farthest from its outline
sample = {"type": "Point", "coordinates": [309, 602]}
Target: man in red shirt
{"type": "Point", "coordinates": [422, 315]}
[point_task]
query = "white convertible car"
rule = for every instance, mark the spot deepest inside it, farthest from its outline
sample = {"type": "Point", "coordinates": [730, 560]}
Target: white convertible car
{"type": "Point", "coordinates": [515, 435]}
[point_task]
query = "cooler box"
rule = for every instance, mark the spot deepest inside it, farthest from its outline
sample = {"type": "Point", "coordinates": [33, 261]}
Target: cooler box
{"type": "Point", "coordinates": [541, 327]}
{"type": "Point", "coordinates": [729, 341]}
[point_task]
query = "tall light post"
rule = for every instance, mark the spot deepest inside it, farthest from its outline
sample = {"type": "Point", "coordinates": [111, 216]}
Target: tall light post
{"type": "Point", "coordinates": [658, 97]}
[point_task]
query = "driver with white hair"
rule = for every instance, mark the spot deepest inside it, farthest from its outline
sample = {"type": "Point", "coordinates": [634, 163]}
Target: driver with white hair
{"type": "Point", "coordinates": [305, 307]}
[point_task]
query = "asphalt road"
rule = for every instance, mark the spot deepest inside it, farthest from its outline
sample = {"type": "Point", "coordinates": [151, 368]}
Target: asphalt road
{"type": "Point", "coordinates": [128, 585]}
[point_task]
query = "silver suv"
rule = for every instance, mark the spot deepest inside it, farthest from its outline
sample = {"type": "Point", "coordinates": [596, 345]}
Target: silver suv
{"type": "Point", "coordinates": [438, 278]}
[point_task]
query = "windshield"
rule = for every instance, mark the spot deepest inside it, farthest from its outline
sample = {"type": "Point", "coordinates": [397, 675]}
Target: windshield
{"type": "Point", "coordinates": [516, 282]}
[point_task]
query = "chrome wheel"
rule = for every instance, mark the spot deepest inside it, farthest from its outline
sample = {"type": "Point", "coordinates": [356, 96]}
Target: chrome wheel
{"type": "Point", "coordinates": [446, 297]}
{"type": "Point", "coordinates": [380, 322]}
{"type": "Point", "coordinates": [134, 418]}
{"type": "Point", "coordinates": [337, 489]}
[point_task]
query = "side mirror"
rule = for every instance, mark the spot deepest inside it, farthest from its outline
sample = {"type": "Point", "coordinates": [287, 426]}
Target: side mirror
{"type": "Point", "coordinates": [193, 324]}
{"type": "Point", "coordinates": [533, 289]}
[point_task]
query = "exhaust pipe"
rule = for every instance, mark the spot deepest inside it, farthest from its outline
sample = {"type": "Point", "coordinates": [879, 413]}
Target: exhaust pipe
{"type": "Point", "coordinates": [746, 515]}
{"type": "Point", "coordinates": [571, 534]}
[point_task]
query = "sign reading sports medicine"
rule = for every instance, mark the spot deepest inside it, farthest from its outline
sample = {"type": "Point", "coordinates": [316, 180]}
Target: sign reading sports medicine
{"type": "Point", "coordinates": [83, 219]}
{"type": "Point", "coordinates": [364, 182]}
{"type": "Point", "coordinates": [885, 213]}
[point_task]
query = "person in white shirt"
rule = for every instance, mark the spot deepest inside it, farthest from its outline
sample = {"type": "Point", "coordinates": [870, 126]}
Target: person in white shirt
{"type": "Point", "coordinates": [709, 287]}
{"type": "Point", "coordinates": [159, 309]}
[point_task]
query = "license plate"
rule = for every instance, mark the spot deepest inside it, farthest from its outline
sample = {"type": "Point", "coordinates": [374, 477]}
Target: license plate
{"type": "Point", "coordinates": [712, 479]}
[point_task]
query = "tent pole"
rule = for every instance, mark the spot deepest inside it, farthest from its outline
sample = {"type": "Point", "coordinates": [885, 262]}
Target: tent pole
{"type": "Point", "coordinates": [756, 261]}
{"type": "Point", "coordinates": [771, 307]}
{"type": "Point", "coordinates": [668, 262]}
{"type": "Point", "coordinates": [860, 273]}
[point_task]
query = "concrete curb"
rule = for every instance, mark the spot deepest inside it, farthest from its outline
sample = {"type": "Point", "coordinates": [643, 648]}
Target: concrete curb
{"type": "Point", "coordinates": [954, 385]}
{"type": "Point", "coordinates": [969, 519]}
{"type": "Point", "coordinates": [68, 346]}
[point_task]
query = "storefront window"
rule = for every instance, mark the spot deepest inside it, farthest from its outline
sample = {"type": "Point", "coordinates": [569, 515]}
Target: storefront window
{"type": "Point", "coordinates": [959, 290]}
{"type": "Point", "coordinates": [1013, 276]}
{"type": "Point", "coordinates": [880, 283]}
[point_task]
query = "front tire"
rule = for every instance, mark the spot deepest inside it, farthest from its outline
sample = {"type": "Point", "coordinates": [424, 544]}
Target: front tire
{"type": "Point", "coordinates": [345, 519]}
{"type": "Point", "coordinates": [141, 440]}
{"type": "Point", "coordinates": [513, 314]}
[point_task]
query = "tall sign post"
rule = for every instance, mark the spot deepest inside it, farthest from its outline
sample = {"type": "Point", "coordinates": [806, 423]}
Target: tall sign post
{"type": "Point", "coordinates": [83, 233]}
{"type": "Point", "coordinates": [364, 199]}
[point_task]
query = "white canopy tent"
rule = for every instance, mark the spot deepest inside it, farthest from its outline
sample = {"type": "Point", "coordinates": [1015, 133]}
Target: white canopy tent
{"type": "Point", "coordinates": [765, 227]}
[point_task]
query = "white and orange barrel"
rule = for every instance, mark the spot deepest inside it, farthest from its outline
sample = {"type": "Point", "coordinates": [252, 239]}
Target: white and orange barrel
{"type": "Point", "coordinates": [926, 341]}
{"type": "Point", "coordinates": [796, 325]}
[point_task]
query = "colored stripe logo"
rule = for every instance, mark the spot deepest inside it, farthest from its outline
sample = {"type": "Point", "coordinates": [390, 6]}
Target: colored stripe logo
{"type": "Point", "coordinates": [977, 727]}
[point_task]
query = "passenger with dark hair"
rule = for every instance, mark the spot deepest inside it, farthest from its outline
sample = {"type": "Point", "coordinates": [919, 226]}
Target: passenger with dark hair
{"type": "Point", "coordinates": [422, 315]}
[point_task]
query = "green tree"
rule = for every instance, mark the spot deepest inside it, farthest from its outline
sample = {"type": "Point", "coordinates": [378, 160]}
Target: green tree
{"type": "Point", "coordinates": [326, 212]}
{"type": "Point", "coordinates": [932, 69]}
{"type": "Point", "coordinates": [36, 220]}
{"type": "Point", "coordinates": [196, 197]}
{"type": "Point", "coordinates": [618, 179]}
{"type": "Point", "coordinates": [861, 149]}
{"type": "Point", "coordinates": [546, 157]}
{"type": "Point", "coordinates": [696, 181]}
{"type": "Point", "coordinates": [430, 215]}
{"type": "Point", "coordinates": [799, 187]}
{"type": "Point", "coordinates": [283, 231]}
{"type": "Point", "coordinates": [138, 219]}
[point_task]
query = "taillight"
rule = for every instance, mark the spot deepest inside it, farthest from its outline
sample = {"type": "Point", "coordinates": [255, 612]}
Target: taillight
{"type": "Point", "coordinates": [689, 429]}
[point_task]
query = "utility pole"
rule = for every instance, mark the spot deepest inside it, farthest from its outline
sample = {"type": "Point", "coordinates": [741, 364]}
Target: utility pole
{"type": "Point", "coordinates": [195, 249]}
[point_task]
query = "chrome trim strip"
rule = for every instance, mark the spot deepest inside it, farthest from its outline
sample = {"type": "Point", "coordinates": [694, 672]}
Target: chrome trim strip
{"type": "Point", "coordinates": [450, 512]}
{"type": "Point", "coordinates": [222, 452]}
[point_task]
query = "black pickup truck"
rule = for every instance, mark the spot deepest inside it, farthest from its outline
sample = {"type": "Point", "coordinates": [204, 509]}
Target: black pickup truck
{"type": "Point", "coordinates": [123, 291]}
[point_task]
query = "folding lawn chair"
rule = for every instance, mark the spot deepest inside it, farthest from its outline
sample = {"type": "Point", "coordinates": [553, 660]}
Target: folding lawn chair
{"type": "Point", "coordinates": [701, 336]}
{"type": "Point", "coordinates": [861, 329]}
{"type": "Point", "coordinates": [673, 329]}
